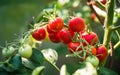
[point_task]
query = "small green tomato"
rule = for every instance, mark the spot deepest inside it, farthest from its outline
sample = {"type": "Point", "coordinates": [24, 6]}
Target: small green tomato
{"type": "Point", "coordinates": [93, 60]}
{"type": "Point", "coordinates": [25, 51]}
{"type": "Point", "coordinates": [6, 52]}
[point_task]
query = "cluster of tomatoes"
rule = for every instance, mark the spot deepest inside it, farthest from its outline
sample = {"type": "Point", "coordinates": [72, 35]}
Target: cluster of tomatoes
{"type": "Point", "coordinates": [74, 35]}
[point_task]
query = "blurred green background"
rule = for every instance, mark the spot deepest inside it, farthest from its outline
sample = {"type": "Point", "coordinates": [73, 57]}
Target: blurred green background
{"type": "Point", "coordinates": [15, 15]}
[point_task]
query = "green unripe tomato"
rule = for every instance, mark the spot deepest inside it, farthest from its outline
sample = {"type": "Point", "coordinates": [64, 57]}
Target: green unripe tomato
{"type": "Point", "coordinates": [25, 51]}
{"type": "Point", "coordinates": [6, 52]}
{"type": "Point", "coordinates": [93, 60]}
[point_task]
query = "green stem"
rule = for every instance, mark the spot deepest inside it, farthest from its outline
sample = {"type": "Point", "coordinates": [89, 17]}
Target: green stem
{"type": "Point", "coordinates": [115, 46]}
{"type": "Point", "coordinates": [118, 35]}
{"type": "Point", "coordinates": [108, 24]}
{"type": "Point", "coordinates": [116, 28]}
{"type": "Point", "coordinates": [107, 37]}
{"type": "Point", "coordinates": [102, 6]}
{"type": "Point", "coordinates": [110, 13]}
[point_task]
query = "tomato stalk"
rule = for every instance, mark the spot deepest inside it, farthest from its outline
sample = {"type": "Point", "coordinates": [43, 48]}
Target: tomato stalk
{"type": "Point", "coordinates": [108, 24]}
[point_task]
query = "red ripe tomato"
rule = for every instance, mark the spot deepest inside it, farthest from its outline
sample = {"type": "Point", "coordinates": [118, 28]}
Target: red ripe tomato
{"type": "Point", "coordinates": [72, 47]}
{"type": "Point", "coordinates": [56, 25]}
{"type": "Point", "coordinates": [48, 30]}
{"type": "Point", "coordinates": [76, 24]}
{"type": "Point", "coordinates": [66, 35]}
{"type": "Point", "coordinates": [54, 37]}
{"type": "Point", "coordinates": [101, 53]}
{"type": "Point", "coordinates": [39, 34]}
{"type": "Point", "coordinates": [91, 38]}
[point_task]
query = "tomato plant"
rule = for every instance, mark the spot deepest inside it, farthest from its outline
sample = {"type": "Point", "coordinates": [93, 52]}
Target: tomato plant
{"type": "Point", "coordinates": [75, 44]}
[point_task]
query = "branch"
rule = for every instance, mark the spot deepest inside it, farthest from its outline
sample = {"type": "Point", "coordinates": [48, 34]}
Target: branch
{"type": "Point", "coordinates": [115, 46]}
{"type": "Point", "coordinates": [118, 35]}
{"type": "Point", "coordinates": [108, 22]}
{"type": "Point", "coordinates": [110, 13]}
{"type": "Point", "coordinates": [89, 2]}
{"type": "Point", "coordinates": [100, 4]}
{"type": "Point", "coordinates": [116, 28]}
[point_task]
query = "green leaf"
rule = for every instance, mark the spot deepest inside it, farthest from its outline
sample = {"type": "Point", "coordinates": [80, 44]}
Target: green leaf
{"type": "Point", "coordinates": [50, 55]}
{"type": "Point", "coordinates": [13, 64]}
{"type": "Point", "coordinates": [16, 61]}
{"type": "Point", "coordinates": [63, 70]}
{"type": "Point", "coordinates": [38, 70]}
{"type": "Point", "coordinates": [37, 57]}
{"type": "Point", "coordinates": [106, 71]}
{"type": "Point", "coordinates": [29, 64]}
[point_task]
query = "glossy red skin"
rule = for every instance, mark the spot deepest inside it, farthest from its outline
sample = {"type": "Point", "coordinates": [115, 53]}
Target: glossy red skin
{"type": "Point", "coordinates": [101, 53]}
{"type": "Point", "coordinates": [103, 1]}
{"type": "Point", "coordinates": [49, 30]}
{"type": "Point", "coordinates": [76, 24]}
{"type": "Point", "coordinates": [66, 35]}
{"type": "Point", "coordinates": [54, 37]}
{"type": "Point", "coordinates": [72, 46]}
{"type": "Point", "coordinates": [91, 38]}
{"type": "Point", "coordinates": [56, 25]}
{"type": "Point", "coordinates": [39, 34]}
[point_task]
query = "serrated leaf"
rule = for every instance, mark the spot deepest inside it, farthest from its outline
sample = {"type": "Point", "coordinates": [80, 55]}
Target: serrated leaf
{"type": "Point", "coordinates": [38, 70]}
{"type": "Point", "coordinates": [37, 57]}
{"type": "Point", "coordinates": [106, 71]}
{"type": "Point", "coordinates": [63, 70]}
